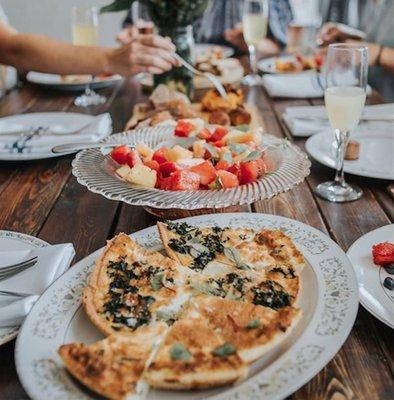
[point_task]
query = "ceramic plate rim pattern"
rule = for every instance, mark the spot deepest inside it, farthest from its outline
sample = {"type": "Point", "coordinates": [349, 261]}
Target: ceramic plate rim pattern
{"type": "Point", "coordinates": [331, 323]}
{"type": "Point", "coordinates": [13, 331]}
{"type": "Point", "coordinates": [363, 300]}
{"type": "Point", "coordinates": [293, 170]}
{"type": "Point", "coordinates": [312, 147]}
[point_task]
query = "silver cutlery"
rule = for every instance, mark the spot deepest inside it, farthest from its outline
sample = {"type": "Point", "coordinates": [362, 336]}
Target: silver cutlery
{"type": "Point", "coordinates": [10, 270]}
{"type": "Point", "coordinates": [71, 147]}
{"type": "Point", "coordinates": [14, 294]}
{"type": "Point", "coordinates": [215, 81]}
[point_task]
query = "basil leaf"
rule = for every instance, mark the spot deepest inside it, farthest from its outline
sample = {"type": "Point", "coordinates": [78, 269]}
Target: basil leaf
{"type": "Point", "coordinates": [253, 324]}
{"type": "Point", "coordinates": [211, 149]}
{"type": "Point", "coordinates": [179, 352]}
{"type": "Point", "coordinates": [205, 289]}
{"type": "Point", "coordinates": [224, 350]}
{"type": "Point", "coordinates": [228, 157]}
{"type": "Point", "coordinates": [238, 148]}
{"type": "Point", "coordinates": [233, 255]}
{"type": "Point", "coordinates": [242, 128]}
{"type": "Point", "coordinates": [164, 316]}
{"type": "Point", "coordinates": [254, 155]}
{"type": "Point", "coordinates": [156, 282]}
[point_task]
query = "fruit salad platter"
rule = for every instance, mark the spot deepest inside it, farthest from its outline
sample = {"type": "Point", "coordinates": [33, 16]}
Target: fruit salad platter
{"type": "Point", "coordinates": [191, 166]}
{"type": "Point", "coordinates": [218, 158]}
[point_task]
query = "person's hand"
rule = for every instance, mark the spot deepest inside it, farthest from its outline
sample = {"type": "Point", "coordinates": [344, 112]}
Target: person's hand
{"type": "Point", "coordinates": [235, 36]}
{"type": "Point", "coordinates": [127, 34]}
{"type": "Point", "coordinates": [145, 53]}
{"type": "Point", "coordinates": [330, 33]}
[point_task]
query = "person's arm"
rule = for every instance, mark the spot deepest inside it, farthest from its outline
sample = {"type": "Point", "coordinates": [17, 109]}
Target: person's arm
{"type": "Point", "coordinates": [379, 55]}
{"type": "Point", "coordinates": [146, 53]}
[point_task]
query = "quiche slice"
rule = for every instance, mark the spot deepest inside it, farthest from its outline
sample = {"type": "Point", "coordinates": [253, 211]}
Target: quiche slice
{"type": "Point", "coordinates": [113, 367]}
{"type": "Point", "coordinates": [252, 329]}
{"type": "Point", "coordinates": [129, 285]}
{"type": "Point", "coordinates": [201, 249]}
{"type": "Point", "coordinates": [194, 356]}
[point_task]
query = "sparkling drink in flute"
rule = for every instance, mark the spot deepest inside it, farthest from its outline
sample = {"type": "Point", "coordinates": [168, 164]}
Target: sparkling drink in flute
{"type": "Point", "coordinates": [346, 80]}
{"type": "Point", "coordinates": [85, 33]}
{"type": "Point", "coordinates": [254, 22]}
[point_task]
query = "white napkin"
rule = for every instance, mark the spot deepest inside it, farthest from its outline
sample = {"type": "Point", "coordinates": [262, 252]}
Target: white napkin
{"type": "Point", "coordinates": [99, 129]}
{"type": "Point", "coordinates": [301, 86]}
{"type": "Point", "coordinates": [52, 262]}
{"type": "Point", "coordinates": [300, 120]}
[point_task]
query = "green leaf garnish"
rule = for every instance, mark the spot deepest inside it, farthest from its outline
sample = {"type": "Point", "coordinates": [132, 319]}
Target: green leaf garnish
{"type": "Point", "coordinates": [254, 155]}
{"type": "Point", "coordinates": [253, 324]}
{"type": "Point", "coordinates": [216, 184]}
{"type": "Point", "coordinates": [233, 255]}
{"type": "Point", "coordinates": [179, 352]}
{"type": "Point", "coordinates": [204, 288]}
{"type": "Point", "coordinates": [238, 147]}
{"type": "Point", "coordinates": [211, 149]}
{"type": "Point", "coordinates": [156, 281]}
{"type": "Point", "coordinates": [242, 128]}
{"type": "Point", "coordinates": [224, 350]}
{"type": "Point", "coordinates": [228, 157]}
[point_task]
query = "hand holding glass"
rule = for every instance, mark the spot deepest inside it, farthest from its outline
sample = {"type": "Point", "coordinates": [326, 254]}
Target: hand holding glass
{"type": "Point", "coordinates": [254, 22]}
{"type": "Point", "coordinates": [346, 70]}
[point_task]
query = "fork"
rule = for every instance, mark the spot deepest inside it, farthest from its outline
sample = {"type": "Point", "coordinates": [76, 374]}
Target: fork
{"type": "Point", "coordinates": [215, 81]}
{"type": "Point", "coordinates": [14, 269]}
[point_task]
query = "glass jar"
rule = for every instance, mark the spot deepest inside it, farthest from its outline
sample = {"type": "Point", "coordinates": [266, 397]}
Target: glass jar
{"type": "Point", "coordinates": [179, 78]}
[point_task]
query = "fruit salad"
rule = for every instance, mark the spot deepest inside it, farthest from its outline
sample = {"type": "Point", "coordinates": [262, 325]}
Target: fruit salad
{"type": "Point", "coordinates": [219, 158]}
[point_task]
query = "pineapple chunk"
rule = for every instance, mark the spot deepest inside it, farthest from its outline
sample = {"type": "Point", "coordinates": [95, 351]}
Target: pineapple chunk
{"type": "Point", "coordinates": [144, 151]}
{"type": "Point", "coordinates": [241, 156]}
{"type": "Point", "coordinates": [236, 136]}
{"type": "Point", "coordinates": [177, 153]}
{"type": "Point", "coordinates": [198, 148]}
{"type": "Point", "coordinates": [123, 171]}
{"type": "Point", "coordinates": [189, 162]}
{"type": "Point", "coordinates": [143, 175]}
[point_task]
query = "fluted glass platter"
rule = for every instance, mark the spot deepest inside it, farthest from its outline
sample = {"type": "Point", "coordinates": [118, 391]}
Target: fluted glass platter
{"type": "Point", "coordinates": [328, 300]}
{"type": "Point", "coordinates": [287, 166]}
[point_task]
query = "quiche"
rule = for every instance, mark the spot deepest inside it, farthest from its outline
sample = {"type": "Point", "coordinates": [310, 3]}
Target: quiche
{"type": "Point", "coordinates": [195, 319]}
{"type": "Point", "coordinates": [112, 367]}
{"type": "Point", "coordinates": [194, 356]}
{"type": "Point", "coordinates": [130, 287]}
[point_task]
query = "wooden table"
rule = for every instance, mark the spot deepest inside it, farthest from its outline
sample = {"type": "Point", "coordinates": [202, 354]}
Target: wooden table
{"type": "Point", "coordinates": [43, 199]}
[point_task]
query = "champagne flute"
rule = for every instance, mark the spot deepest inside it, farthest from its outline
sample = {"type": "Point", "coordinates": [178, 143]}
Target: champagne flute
{"type": "Point", "coordinates": [85, 33]}
{"type": "Point", "coordinates": [346, 81]}
{"type": "Point", "coordinates": [255, 23]}
{"type": "Point", "coordinates": [141, 18]}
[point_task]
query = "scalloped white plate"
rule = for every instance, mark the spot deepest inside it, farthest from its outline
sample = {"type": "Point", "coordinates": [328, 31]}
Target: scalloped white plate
{"type": "Point", "coordinates": [15, 241]}
{"type": "Point", "coordinates": [329, 300]}
{"type": "Point", "coordinates": [374, 296]}
{"type": "Point", "coordinates": [287, 165]}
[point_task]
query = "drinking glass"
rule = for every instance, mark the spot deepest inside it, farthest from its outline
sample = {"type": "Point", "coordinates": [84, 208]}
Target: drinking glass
{"type": "Point", "coordinates": [141, 18]}
{"type": "Point", "coordinates": [85, 33]}
{"type": "Point", "coordinates": [254, 22]}
{"type": "Point", "coordinates": [346, 70]}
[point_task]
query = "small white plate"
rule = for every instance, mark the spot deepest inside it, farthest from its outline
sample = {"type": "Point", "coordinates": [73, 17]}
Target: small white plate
{"type": "Point", "coordinates": [61, 122]}
{"type": "Point", "coordinates": [329, 300]}
{"type": "Point", "coordinates": [268, 65]}
{"type": "Point", "coordinates": [15, 241]}
{"type": "Point", "coordinates": [376, 298]}
{"type": "Point", "coordinates": [55, 81]}
{"type": "Point", "coordinates": [206, 48]}
{"type": "Point", "coordinates": [376, 152]}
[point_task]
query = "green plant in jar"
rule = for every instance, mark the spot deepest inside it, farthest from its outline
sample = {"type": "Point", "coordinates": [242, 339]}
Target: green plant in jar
{"type": "Point", "coordinates": [173, 18]}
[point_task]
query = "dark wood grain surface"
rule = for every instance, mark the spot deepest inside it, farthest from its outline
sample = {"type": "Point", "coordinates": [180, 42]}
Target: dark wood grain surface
{"type": "Point", "coordinates": [42, 198]}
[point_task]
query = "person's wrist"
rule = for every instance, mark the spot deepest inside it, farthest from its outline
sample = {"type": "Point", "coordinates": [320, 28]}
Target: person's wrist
{"type": "Point", "coordinates": [107, 62]}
